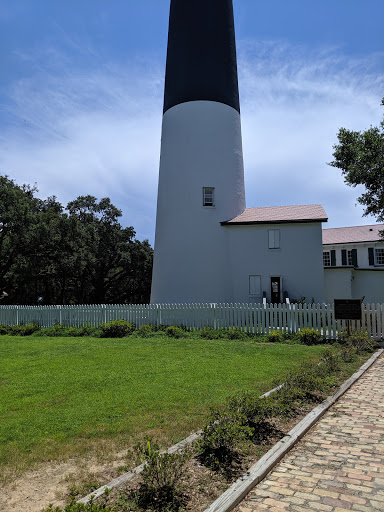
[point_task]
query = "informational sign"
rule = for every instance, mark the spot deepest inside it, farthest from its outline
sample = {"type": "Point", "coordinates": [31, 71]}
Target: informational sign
{"type": "Point", "coordinates": [347, 309]}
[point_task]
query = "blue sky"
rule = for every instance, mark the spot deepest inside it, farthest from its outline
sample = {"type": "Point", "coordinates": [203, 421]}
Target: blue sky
{"type": "Point", "coordinates": [81, 91]}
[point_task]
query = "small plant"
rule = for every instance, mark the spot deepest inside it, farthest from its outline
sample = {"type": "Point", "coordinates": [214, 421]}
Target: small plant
{"type": "Point", "coordinates": [360, 341]}
{"type": "Point", "coordinates": [174, 332]}
{"type": "Point", "coordinates": [160, 488]}
{"type": "Point", "coordinates": [117, 329]}
{"type": "Point", "coordinates": [144, 331]}
{"type": "Point", "coordinates": [275, 337]}
{"type": "Point", "coordinates": [222, 439]}
{"type": "Point", "coordinates": [80, 507]}
{"type": "Point", "coordinates": [4, 329]}
{"type": "Point", "coordinates": [24, 330]}
{"type": "Point", "coordinates": [209, 333]}
{"type": "Point", "coordinates": [236, 334]}
{"type": "Point", "coordinates": [310, 337]}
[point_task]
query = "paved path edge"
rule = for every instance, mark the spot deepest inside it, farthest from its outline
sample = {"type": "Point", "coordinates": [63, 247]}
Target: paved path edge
{"type": "Point", "coordinates": [238, 490]}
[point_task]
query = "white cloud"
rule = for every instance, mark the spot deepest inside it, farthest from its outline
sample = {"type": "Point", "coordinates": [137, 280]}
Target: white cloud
{"type": "Point", "coordinates": [293, 104]}
{"type": "Point", "coordinates": [97, 130]}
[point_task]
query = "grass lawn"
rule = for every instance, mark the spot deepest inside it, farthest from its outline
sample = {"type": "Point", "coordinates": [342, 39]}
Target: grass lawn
{"type": "Point", "coordinates": [62, 397]}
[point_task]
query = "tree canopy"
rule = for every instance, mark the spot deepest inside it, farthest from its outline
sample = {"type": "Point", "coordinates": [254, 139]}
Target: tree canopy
{"type": "Point", "coordinates": [360, 156]}
{"type": "Point", "coordinates": [79, 254]}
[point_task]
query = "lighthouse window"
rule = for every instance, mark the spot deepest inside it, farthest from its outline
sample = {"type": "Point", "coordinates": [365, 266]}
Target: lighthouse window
{"type": "Point", "coordinates": [208, 196]}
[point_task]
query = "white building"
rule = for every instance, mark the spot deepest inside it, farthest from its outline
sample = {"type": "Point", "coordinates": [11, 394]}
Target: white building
{"type": "Point", "coordinates": [353, 259]}
{"type": "Point", "coordinates": [208, 246]}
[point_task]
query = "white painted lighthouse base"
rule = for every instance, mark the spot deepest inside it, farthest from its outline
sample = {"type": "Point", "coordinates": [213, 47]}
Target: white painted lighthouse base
{"type": "Point", "coordinates": [201, 147]}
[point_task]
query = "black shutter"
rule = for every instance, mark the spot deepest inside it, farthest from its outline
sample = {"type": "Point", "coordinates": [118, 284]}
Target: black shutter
{"type": "Point", "coordinates": [354, 257]}
{"type": "Point", "coordinates": [371, 256]}
{"type": "Point", "coordinates": [343, 256]}
{"type": "Point", "coordinates": [333, 258]}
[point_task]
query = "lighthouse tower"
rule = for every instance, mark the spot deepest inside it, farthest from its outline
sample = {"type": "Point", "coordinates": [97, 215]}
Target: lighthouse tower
{"type": "Point", "coordinates": [201, 178]}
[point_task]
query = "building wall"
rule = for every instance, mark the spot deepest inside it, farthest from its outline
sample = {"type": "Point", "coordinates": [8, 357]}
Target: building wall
{"type": "Point", "coordinates": [338, 284]}
{"type": "Point", "coordinates": [298, 261]}
{"type": "Point", "coordinates": [201, 147]}
{"type": "Point", "coordinates": [350, 283]}
{"type": "Point", "coordinates": [362, 250]}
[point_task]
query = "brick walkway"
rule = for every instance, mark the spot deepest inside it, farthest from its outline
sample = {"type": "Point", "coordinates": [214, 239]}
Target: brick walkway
{"type": "Point", "coordinates": [339, 463]}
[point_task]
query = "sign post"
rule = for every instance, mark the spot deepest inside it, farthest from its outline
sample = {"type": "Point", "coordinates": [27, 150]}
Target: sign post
{"type": "Point", "coordinates": [348, 309]}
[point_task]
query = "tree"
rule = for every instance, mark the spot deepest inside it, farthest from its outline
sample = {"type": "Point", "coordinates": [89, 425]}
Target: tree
{"type": "Point", "coordinates": [81, 254]}
{"type": "Point", "coordinates": [360, 156]}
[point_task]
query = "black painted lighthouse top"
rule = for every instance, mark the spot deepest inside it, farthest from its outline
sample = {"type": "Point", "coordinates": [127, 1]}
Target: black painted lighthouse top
{"type": "Point", "coordinates": [201, 57]}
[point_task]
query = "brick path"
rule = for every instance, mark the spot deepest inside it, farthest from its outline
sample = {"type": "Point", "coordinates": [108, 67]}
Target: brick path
{"type": "Point", "coordinates": [339, 463]}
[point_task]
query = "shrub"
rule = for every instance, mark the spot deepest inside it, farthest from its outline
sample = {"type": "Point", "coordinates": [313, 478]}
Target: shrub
{"type": "Point", "coordinates": [4, 329]}
{"type": "Point", "coordinates": [209, 333]}
{"type": "Point", "coordinates": [310, 337]}
{"type": "Point", "coordinates": [275, 337]}
{"type": "Point", "coordinates": [24, 330]}
{"type": "Point", "coordinates": [116, 329]}
{"type": "Point", "coordinates": [79, 507]}
{"type": "Point", "coordinates": [221, 439]}
{"type": "Point", "coordinates": [174, 332]}
{"type": "Point", "coordinates": [160, 488]}
{"type": "Point", "coordinates": [236, 334]}
{"type": "Point", "coordinates": [144, 331]}
{"type": "Point", "coordinates": [360, 341]}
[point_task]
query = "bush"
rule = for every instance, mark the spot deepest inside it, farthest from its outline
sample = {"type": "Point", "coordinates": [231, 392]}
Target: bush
{"type": "Point", "coordinates": [275, 337]}
{"type": "Point", "coordinates": [174, 332]}
{"type": "Point", "coordinates": [144, 331]}
{"type": "Point", "coordinates": [209, 333]}
{"type": "Point", "coordinates": [310, 337]}
{"type": "Point", "coordinates": [236, 334]}
{"type": "Point", "coordinates": [79, 507]}
{"type": "Point", "coordinates": [221, 439]}
{"type": "Point", "coordinates": [116, 329]}
{"type": "Point", "coordinates": [360, 341]}
{"type": "Point", "coordinates": [23, 330]}
{"type": "Point", "coordinates": [160, 488]}
{"type": "Point", "coordinates": [4, 329]}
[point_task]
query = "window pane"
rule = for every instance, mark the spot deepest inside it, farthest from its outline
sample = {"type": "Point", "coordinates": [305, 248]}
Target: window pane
{"type": "Point", "coordinates": [326, 259]}
{"type": "Point", "coordinates": [379, 256]}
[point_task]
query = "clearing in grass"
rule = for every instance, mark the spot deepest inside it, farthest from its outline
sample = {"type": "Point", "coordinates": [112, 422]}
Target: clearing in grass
{"type": "Point", "coordinates": [63, 397]}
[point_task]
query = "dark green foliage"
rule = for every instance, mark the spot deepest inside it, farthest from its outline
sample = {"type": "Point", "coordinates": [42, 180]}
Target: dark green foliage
{"type": "Point", "coordinates": [236, 334]}
{"type": "Point", "coordinates": [275, 337]}
{"type": "Point", "coordinates": [360, 156]}
{"type": "Point", "coordinates": [209, 333]}
{"type": "Point", "coordinates": [23, 330]}
{"type": "Point", "coordinates": [160, 489]}
{"type": "Point", "coordinates": [174, 332]}
{"type": "Point", "coordinates": [360, 341]}
{"type": "Point", "coordinates": [310, 337]}
{"type": "Point", "coordinates": [75, 255]}
{"type": "Point", "coordinates": [4, 329]}
{"type": "Point", "coordinates": [79, 507]}
{"type": "Point", "coordinates": [144, 331]}
{"type": "Point", "coordinates": [116, 329]}
{"type": "Point", "coordinates": [222, 438]}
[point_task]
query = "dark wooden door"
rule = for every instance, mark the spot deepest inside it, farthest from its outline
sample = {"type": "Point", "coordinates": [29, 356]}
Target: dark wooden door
{"type": "Point", "coordinates": [275, 290]}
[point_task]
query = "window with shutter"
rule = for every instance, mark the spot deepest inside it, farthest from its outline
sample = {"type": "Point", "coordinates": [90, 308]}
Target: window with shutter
{"type": "Point", "coordinates": [255, 285]}
{"type": "Point", "coordinates": [371, 257]}
{"type": "Point", "coordinates": [343, 257]}
{"type": "Point", "coordinates": [274, 238]}
{"type": "Point", "coordinates": [333, 258]}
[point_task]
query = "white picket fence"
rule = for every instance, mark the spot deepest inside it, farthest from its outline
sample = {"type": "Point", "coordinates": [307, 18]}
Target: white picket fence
{"type": "Point", "coordinates": [253, 318]}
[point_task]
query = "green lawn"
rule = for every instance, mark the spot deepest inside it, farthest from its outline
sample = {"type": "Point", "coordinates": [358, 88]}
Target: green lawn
{"type": "Point", "coordinates": [64, 396]}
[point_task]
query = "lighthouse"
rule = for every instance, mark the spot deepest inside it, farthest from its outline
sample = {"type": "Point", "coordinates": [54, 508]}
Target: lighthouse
{"type": "Point", "coordinates": [201, 176]}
